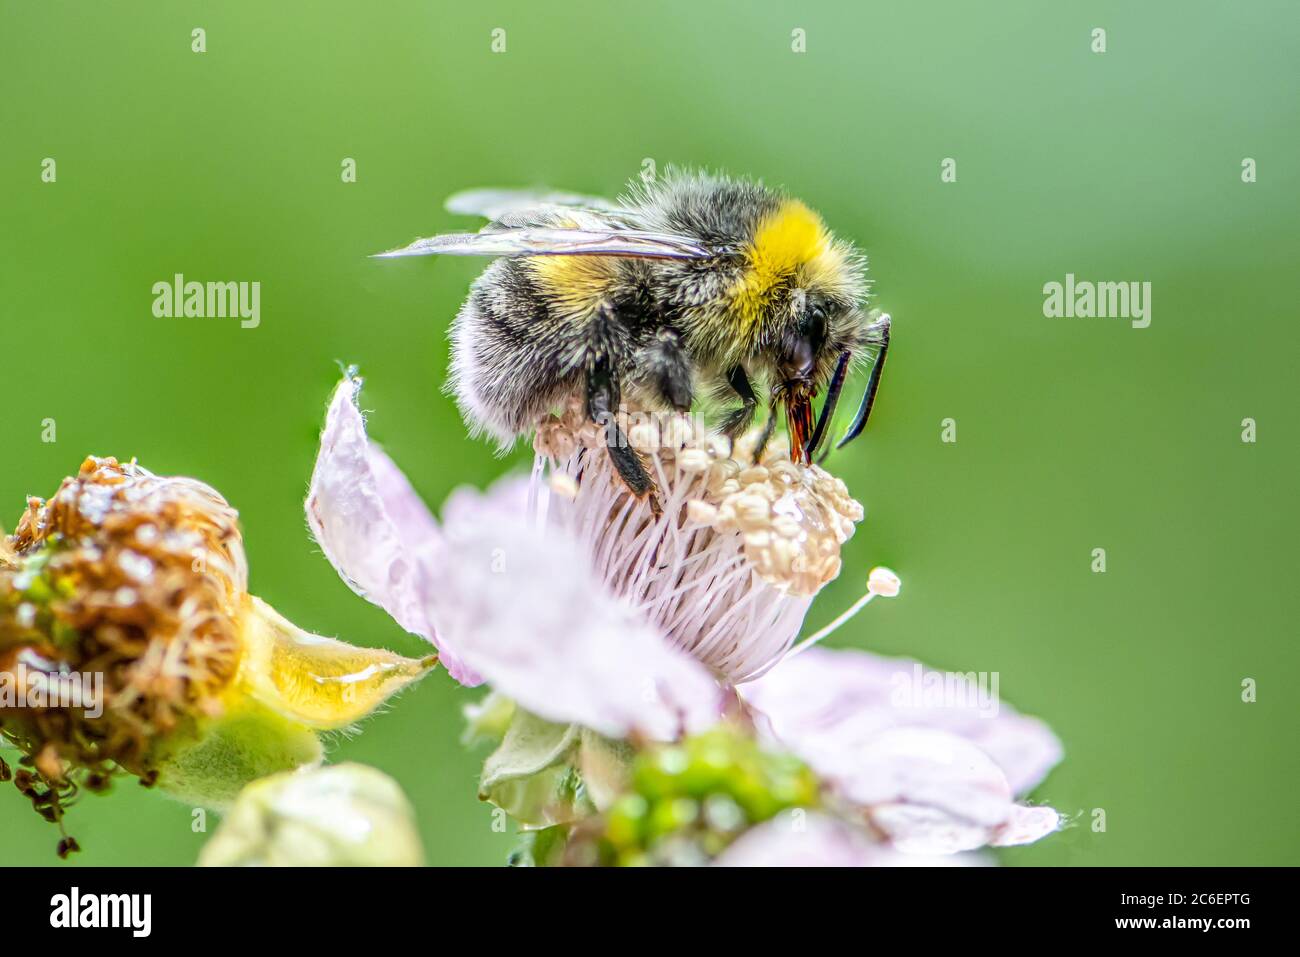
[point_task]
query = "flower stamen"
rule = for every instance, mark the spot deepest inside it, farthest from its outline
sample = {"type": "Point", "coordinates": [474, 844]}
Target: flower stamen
{"type": "Point", "coordinates": [728, 565]}
{"type": "Point", "coordinates": [881, 582]}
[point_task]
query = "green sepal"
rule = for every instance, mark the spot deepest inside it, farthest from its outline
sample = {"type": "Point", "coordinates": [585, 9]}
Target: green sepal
{"type": "Point", "coordinates": [606, 767]}
{"type": "Point", "coordinates": [532, 776]}
{"type": "Point", "coordinates": [544, 773]}
{"type": "Point", "coordinates": [487, 720]}
{"type": "Point", "coordinates": [541, 848]}
{"type": "Point", "coordinates": [231, 752]}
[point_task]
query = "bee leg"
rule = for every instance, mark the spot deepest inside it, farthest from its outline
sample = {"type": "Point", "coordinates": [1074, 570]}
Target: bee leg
{"type": "Point", "coordinates": [602, 408]}
{"type": "Point", "coordinates": [739, 420]}
{"type": "Point", "coordinates": [666, 370]}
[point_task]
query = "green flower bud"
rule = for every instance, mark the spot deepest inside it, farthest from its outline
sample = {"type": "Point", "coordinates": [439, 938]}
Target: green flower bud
{"type": "Point", "coordinates": [625, 825]}
{"type": "Point", "coordinates": [348, 815]}
{"type": "Point", "coordinates": [686, 802]}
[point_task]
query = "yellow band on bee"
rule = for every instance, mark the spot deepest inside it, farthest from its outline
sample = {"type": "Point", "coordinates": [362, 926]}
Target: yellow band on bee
{"type": "Point", "coordinates": [578, 282]}
{"type": "Point", "coordinates": [789, 238]}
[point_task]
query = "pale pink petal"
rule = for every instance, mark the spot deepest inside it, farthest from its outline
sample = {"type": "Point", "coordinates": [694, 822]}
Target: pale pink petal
{"type": "Point", "coordinates": [373, 527]}
{"type": "Point", "coordinates": [808, 839]}
{"type": "Point", "coordinates": [1026, 825]}
{"type": "Point", "coordinates": [919, 766]}
{"type": "Point", "coordinates": [927, 831]}
{"type": "Point", "coordinates": [506, 498]}
{"type": "Point", "coordinates": [530, 617]}
{"type": "Point", "coordinates": [935, 776]}
{"type": "Point", "coordinates": [829, 698]}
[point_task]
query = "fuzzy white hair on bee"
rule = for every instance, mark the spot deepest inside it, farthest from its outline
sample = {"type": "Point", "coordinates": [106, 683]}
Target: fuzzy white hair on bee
{"type": "Point", "coordinates": [692, 284]}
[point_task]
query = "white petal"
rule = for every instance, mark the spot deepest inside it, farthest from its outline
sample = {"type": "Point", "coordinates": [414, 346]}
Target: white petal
{"type": "Point", "coordinates": [373, 527]}
{"type": "Point", "coordinates": [917, 830]}
{"type": "Point", "coordinates": [832, 698]}
{"type": "Point", "coordinates": [935, 779]}
{"type": "Point", "coordinates": [809, 839]}
{"type": "Point", "coordinates": [533, 620]}
{"type": "Point", "coordinates": [1026, 825]}
{"type": "Point", "coordinates": [920, 766]}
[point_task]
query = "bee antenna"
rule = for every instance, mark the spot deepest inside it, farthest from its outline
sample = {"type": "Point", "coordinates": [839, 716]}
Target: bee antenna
{"type": "Point", "coordinates": [869, 397]}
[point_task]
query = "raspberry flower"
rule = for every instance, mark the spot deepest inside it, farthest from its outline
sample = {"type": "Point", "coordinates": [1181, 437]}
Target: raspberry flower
{"type": "Point", "coordinates": [609, 631]}
{"type": "Point", "coordinates": [131, 590]}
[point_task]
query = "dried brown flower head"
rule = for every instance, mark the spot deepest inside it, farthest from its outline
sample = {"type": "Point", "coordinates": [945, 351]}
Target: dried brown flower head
{"type": "Point", "coordinates": [136, 585]}
{"type": "Point", "coordinates": [132, 577]}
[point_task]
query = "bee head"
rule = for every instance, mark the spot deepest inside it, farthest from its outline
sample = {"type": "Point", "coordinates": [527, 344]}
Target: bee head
{"type": "Point", "coordinates": [799, 291]}
{"type": "Point", "coordinates": [812, 353]}
{"type": "Point", "coordinates": [802, 289]}
{"type": "Point", "coordinates": [808, 340]}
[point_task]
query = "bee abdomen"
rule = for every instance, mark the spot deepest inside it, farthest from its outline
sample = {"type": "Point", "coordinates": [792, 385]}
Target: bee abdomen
{"type": "Point", "coordinates": [512, 358]}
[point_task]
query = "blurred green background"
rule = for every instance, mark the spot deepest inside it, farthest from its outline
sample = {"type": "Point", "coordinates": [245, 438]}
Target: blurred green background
{"type": "Point", "coordinates": [1073, 434]}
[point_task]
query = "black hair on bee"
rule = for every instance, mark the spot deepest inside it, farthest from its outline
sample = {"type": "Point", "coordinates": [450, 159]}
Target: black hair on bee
{"type": "Point", "coordinates": [692, 283]}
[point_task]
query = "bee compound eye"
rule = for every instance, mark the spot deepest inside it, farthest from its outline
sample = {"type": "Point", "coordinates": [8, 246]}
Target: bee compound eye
{"type": "Point", "coordinates": [816, 324]}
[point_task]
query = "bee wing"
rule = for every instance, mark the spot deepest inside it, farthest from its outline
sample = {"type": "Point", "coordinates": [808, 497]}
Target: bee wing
{"type": "Point", "coordinates": [495, 203]}
{"type": "Point", "coordinates": [604, 240]}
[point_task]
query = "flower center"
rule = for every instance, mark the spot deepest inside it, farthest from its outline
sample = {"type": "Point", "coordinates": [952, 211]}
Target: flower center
{"type": "Point", "coordinates": [728, 565]}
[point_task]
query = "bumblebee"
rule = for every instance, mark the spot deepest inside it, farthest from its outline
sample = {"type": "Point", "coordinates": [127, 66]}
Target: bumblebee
{"type": "Point", "coordinates": [691, 284]}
